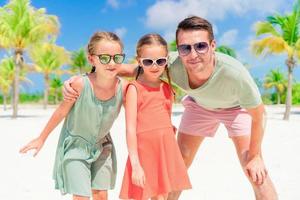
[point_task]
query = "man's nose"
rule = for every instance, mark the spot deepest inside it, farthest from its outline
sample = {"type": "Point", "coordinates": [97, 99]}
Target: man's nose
{"type": "Point", "coordinates": [194, 53]}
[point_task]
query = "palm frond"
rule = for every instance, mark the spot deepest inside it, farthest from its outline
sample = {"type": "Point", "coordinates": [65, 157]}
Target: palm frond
{"type": "Point", "coordinates": [265, 28]}
{"type": "Point", "coordinates": [269, 45]}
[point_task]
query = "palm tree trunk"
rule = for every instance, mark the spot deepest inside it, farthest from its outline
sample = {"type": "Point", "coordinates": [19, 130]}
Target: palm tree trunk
{"type": "Point", "coordinates": [278, 98]}
{"type": "Point", "coordinates": [46, 90]}
{"type": "Point", "coordinates": [288, 102]}
{"type": "Point", "coordinates": [18, 61]}
{"type": "Point", "coordinates": [12, 95]}
{"type": "Point", "coordinates": [4, 102]}
{"type": "Point", "coordinates": [56, 96]}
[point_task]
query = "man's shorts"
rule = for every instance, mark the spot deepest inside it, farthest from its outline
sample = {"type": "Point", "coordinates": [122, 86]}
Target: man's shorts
{"type": "Point", "coordinates": [199, 121]}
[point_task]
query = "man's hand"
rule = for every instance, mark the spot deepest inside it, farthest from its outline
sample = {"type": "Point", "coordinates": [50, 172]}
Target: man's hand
{"type": "Point", "coordinates": [68, 92]}
{"type": "Point", "coordinates": [256, 170]}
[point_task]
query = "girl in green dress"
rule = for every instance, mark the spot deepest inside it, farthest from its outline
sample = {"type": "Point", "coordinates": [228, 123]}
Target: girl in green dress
{"type": "Point", "coordinates": [85, 163]}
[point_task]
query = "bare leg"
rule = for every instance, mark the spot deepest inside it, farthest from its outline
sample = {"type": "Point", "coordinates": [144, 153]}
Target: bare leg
{"type": "Point", "coordinates": [76, 197]}
{"type": "Point", "coordinates": [160, 197]}
{"type": "Point", "coordinates": [188, 145]}
{"type": "Point", "coordinates": [99, 194]}
{"type": "Point", "coordinates": [266, 191]}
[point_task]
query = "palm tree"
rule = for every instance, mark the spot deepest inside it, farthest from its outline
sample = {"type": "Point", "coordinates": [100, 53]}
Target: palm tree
{"type": "Point", "coordinates": [7, 76]}
{"type": "Point", "coordinates": [281, 35]}
{"type": "Point", "coordinates": [79, 62]}
{"type": "Point", "coordinates": [6, 71]}
{"type": "Point", "coordinates": [172, 46]}
{"type": "Point", "coordinates": [49, 58]}
{"type": "Point", "coordinates": [21, 26]}
{"type": "Point", "coordinates": [296, 93]}
{"type": "Point", "coordinates": [226, 50]}
{"type": "Point", "coordinates": [55, 86]}
{"type": "Point", "coordinates": [275, 79]}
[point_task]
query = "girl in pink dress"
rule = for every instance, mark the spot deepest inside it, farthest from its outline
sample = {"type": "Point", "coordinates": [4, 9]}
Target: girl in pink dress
{"type": "Point", "coordinates": [155, 166]}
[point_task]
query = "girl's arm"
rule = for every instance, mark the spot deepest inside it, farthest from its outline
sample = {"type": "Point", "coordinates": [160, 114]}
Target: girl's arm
{"type": "Point", "coordinates": [138, 177]}
{"type": "Point", "coordinates": [59, 114]}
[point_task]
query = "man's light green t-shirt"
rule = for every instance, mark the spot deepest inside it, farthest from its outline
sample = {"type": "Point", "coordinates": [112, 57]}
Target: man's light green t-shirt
{"type": "Point", "coordinates": [229, 86]}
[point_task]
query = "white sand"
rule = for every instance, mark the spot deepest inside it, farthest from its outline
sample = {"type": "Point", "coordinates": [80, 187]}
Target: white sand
{"type": "Point", "coordinates": [215, 173]}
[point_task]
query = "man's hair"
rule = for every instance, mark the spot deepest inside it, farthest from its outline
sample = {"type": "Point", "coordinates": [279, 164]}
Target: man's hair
{"type": "Point", "coordinates": [195, 23]}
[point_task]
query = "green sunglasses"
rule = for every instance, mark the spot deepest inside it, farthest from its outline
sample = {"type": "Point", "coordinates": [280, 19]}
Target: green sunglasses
{"type": "Point", "coordinates": [106, 58]}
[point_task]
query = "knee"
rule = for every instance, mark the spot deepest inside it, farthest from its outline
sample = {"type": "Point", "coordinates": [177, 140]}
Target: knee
{"type": "Point", "coordinates": [186, 155]}
{"type": "Point", "coordinates": [76, 197]}
{"type": "Point", "coordinates": [100, 194]}
{"type": "Point", "coordinates": [173, 196]}
{"type": "Point", "coordinates": [266, 191]}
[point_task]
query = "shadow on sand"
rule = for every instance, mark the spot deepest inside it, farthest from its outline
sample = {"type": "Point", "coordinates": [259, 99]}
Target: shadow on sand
{"type": "Point", "coordinates": [20, 116]}
{"type": "Point", "coordinates": [176, 113]}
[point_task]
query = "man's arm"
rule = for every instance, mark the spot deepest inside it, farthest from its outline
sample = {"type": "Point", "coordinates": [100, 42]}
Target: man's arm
{"type": "Point", "coordinates": [255, 165]}
{"type": "Point", "coordinates": [127, 70]}
{"type": "Point", "coordinates": [70, 94]}
{"type": "Point", "coordinates": [257, 130]}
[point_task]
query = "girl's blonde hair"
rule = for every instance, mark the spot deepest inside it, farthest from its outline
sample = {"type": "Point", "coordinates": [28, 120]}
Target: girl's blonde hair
{"type": "Point", "coordinates": [152, 39]}
{"type": "Point", "coordinates": [98, 37]}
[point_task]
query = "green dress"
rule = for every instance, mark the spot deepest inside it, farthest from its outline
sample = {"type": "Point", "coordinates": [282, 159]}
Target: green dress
{"type": "Point", "coordinates": [83, 139]}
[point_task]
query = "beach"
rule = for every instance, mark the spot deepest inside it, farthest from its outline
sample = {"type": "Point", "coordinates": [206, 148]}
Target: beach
{"type": "Point", "coordinates": [215, 173]}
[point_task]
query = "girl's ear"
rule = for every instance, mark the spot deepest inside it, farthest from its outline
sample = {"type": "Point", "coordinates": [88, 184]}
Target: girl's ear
{"type": "Point", "coordinates": [91, 60]}
{"type": "Point", "coordinates": [138, 61]}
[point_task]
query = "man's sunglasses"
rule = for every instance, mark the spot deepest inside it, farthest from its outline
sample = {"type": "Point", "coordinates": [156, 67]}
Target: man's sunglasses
{"type": "Point", "coordinates": [106, 58]}
{"type": "Point", "coordinates": [200, 47]}
{"type": "Point", "coordinates": [147, 62]}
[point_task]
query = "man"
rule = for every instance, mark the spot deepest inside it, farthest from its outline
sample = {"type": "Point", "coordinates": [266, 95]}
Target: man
{"type": "Point", "coordinates": [220, 90]}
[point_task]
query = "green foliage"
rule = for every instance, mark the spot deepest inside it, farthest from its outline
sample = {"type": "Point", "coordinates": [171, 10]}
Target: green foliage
{"type": "Point", "coordinates": [267, 99]}
{"type": "Point", "coordinates": [275, 79]}
{"type": "Point", "coordinates": [31, 98]}
{"type": "Point", "coordinates": [1, 99]}
{"type": "Point", "coordinates": [79, 62]}
{"type": "Point", "coordinates": [172, 46]}
{"type": "Point", "coordinates": [281, 35]}
{"type": "Point", "coordinates": [22, 25]}
{"type": "Point", "coordinates": [226, 50]}
{"type": "Point", "coordinates": [296, 94]}
{"type": "Point", "coordinates": [55, 91]}
{"type": "Point", "coordinates": [49, 58]}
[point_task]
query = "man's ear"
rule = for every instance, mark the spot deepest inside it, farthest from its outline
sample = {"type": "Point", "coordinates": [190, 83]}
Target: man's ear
{"type": "Point", "coordinates": [213, 45]}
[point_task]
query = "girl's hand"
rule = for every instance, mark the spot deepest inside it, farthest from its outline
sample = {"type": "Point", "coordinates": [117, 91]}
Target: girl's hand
{"type": "Point", "coordinates": [138, 177]}
{"type": "Point", "coordinates": [34, 144]}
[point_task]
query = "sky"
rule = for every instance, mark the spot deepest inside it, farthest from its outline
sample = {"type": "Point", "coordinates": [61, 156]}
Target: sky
{"type": "Point", "coordinates": [233, 22]}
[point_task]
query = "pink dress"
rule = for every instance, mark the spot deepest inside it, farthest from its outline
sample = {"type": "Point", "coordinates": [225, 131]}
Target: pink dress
{"type": "Point", "coordinates": [158, 151]}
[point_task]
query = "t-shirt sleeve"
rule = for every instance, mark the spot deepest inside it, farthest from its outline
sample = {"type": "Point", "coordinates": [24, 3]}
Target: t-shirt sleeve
{"type": "Point", "coordinates": [248, 94]}
{"type": "Point", "coordinates": [173, 56]}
